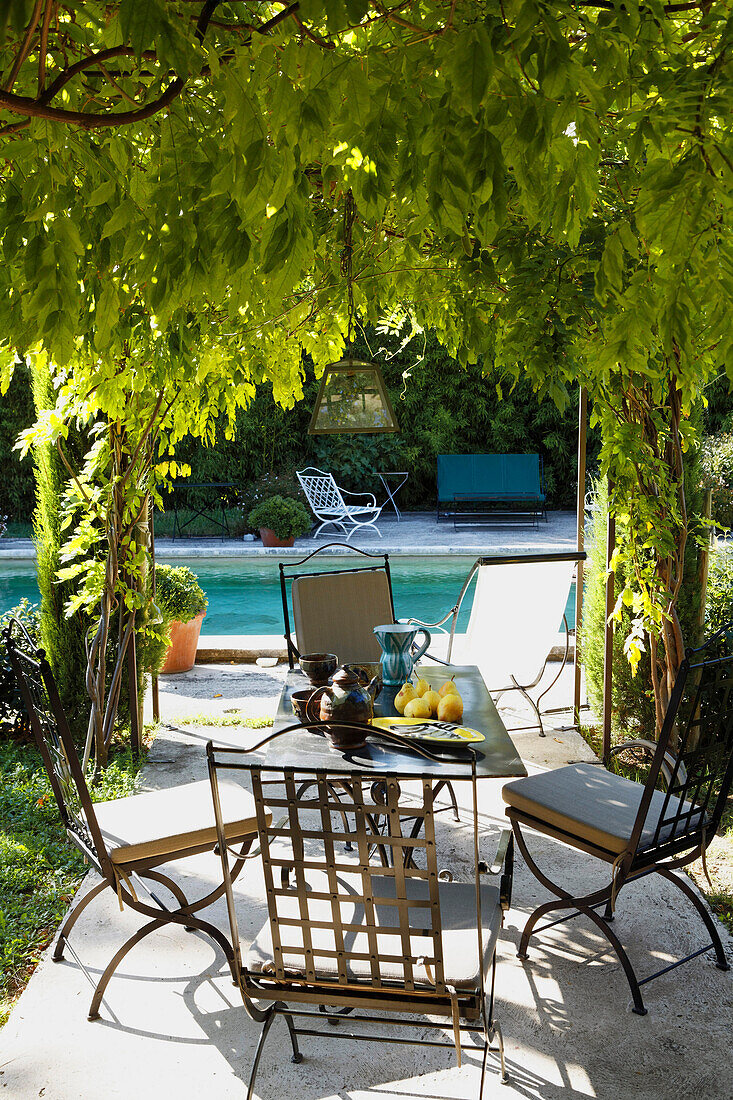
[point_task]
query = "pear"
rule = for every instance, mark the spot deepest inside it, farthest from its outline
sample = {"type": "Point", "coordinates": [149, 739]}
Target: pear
{"type": "Point", "coordinates": [421, 687]}
{"type": "Point", "coordinates": [403, 697]}
{"type": "Point", "coordinates": [448, 687]}
{"type": "Point", "coordinates": [432, 699]}
{"type": "Point", "coordinates": [417, 708]}
{"type": "Point", "coordinates": [450, 708]}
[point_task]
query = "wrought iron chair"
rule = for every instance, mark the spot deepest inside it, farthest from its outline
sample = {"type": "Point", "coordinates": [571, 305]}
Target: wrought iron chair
{"type": "Point", "coordinates": [126, 840]}
{"type": "Point", "coordinates": [640, 829]}
{"type": "Point", "coordinates": [344, 934]}
{"type": "Point", "coordinates": [328, 504]}
{"type": "Point", "coordinates": [336, 610]}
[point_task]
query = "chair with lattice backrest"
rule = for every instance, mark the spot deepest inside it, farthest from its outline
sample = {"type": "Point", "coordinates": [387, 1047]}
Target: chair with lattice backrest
{"type": "Point", "coordinates": [335, 610]}
{"type": "Point", "coordinates": [125, 840]}
{"type": "Point", "coordinates": [640, 829]}
{"type": "Point", "coordinates": [329, 505]}
{"type": "Point", "coordinates": [351, 933]}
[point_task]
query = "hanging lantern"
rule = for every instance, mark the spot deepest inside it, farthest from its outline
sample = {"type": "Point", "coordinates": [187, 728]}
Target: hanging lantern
{"type": "Point", "coordinates": [352, 398]}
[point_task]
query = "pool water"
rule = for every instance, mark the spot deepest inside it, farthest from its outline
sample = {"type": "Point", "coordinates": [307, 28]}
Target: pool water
{"type": "Point", "coordinates": [244, 593]}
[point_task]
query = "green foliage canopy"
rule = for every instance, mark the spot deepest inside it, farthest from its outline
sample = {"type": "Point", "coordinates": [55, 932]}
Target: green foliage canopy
{"type": "Point", "coordinates": [554, 179]}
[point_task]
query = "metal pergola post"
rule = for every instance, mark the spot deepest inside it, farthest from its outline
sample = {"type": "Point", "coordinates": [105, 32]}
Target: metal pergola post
{"type": "Point", "coordinates": [608, 629]}
{"type": "Point", "coordinates": [582, 445]}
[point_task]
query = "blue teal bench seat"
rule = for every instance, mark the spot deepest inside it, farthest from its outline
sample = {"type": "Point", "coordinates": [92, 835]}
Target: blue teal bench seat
{"type": "Point", "coordinates": [482, 488]}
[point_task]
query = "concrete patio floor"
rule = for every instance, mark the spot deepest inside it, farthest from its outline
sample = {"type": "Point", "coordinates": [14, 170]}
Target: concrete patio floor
{"type": "Point", "coordinates": [173, 1025]}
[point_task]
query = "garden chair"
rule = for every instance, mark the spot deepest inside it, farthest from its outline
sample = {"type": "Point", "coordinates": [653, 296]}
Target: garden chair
{"type": "Point", "coordinates": [326, 500]}
{"type": "Point", "coordinates": [636, 828]}
{"type": "Point", "coordinates": [126, 840]}
{"type": "Point", "coordinates": [344, 933]}
{"type": "Point", "coordinates": [518, 606]}
{"type": "Point", "coordinates": [336, 610]}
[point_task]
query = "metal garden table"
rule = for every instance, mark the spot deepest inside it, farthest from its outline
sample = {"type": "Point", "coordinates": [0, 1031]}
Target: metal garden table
{"type": "Point", "coordinates": [496, 757]}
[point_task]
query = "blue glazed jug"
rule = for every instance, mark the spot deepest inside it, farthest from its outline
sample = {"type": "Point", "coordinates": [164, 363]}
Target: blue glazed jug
{"type": "Point", "coordinates": [396, 640]}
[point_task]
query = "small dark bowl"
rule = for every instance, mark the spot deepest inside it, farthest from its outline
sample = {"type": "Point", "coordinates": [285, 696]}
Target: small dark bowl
{"type": "Point", "coordinates": [300, 701]}
{"type": "Point", "coordinates": [318, 667]}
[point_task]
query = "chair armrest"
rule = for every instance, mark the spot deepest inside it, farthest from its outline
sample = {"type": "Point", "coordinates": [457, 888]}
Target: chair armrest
{"type": "Point", "coordinates": [669, 763]}
{"type": "Point", "coordinates": [370, 496]}
{"type": "Point", "coordinates": [503, 864]}
{"type": "Point", "coordinates": [419, 622]}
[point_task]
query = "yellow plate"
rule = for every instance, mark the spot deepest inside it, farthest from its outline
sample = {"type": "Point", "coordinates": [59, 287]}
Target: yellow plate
{"type": "Point", "coordinates": [429, 729]}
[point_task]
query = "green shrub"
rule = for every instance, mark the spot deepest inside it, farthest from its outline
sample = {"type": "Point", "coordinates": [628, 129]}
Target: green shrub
{"type": "Point", "coordinates": [355, 459]}
{"type": "Point", "coordinates": [63, 639]}
{"type": "Point", "coordinates": [179, 595]}
{"type": "Point", "coordinates": [719, 606]}
{"type": "Point", "coordinates": [716, 462]}
{"type": "Point", "coordinates": [632, 699]}
{"type": "Point", "coordinates": [282, 483]}
{"type": "Point", "coordinates": [17, 488]}
{"type": "Point", "coordinates": [286, 517]}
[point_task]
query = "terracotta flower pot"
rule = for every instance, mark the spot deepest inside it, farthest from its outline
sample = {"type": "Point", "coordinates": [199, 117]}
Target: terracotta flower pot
{"type": "Point", "coordinates": [269, 538]}
{"type": "Point", "coordinates": [181, 655]}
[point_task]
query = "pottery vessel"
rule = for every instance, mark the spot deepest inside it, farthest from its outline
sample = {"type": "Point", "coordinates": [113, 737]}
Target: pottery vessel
{"type": "Point", "coordinates": [181, 654]}
{"type": "Point", "coordinates": [348, 701]}
{"type": "Point", "coordinates": [398, 660]}
{"type": "Point", "coordinates": [318, 667]}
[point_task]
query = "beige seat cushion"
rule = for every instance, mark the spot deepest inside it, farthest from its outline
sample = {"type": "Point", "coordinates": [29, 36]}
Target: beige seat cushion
{"type": "Point", "coordinates": [162, 823]}
{"type": "Point", "coordinates": [588, 802]}
{"type": "Point", "coordinates": [337, 613]}
{"type": "Point", "coordinates": [459, 934]}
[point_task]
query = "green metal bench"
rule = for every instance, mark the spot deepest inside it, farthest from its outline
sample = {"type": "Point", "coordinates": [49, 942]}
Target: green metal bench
{"type": "Point", "coordinates": [489, 487]}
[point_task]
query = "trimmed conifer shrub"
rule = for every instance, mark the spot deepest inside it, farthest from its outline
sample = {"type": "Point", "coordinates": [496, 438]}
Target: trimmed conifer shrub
{"type": "Point", "coordinates": [62, 638]}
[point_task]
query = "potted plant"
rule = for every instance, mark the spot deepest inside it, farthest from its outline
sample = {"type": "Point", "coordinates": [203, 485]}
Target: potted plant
{"type": "Point", "coordinates": [182, 603]}
{"type": "Point", "coordinates": [280, 520]}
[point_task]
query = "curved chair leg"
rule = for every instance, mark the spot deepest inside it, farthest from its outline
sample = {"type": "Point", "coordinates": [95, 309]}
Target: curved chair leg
{"type": "Point", "coordinates": [169, 884]}
{"type": "Point", "coordinates": [721, 961]}
{"type": "Point", "coordinates": [258, 1053]}
{"type": "Point", "coordinates": [297, 1056]}
{"type": "Point", "coordinates": [174, 888]}
{"type": "Point", "coordinates": [452, 794]}
{"type": "Point", "coordinates": [152, 925]}
{"type": "Point", "coordinates": [73, 916]}
{"type": "Point", "coordinates": [116, 960]}
{"type": "Point", "coordinates": [495, 1030]}
{"type": "Point", "coordinates": [583, 905]}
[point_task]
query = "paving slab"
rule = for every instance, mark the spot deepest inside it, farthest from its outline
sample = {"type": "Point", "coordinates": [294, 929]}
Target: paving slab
{"type": "Point", "coordinates": [173, 1024]}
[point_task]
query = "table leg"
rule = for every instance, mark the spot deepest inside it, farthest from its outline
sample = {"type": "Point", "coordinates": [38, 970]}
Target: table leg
{"type": "Point", "coordinates": [392, 493]}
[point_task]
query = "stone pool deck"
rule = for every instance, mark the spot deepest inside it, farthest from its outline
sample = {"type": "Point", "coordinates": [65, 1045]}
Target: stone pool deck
{"type": "Point", "coordinates": [173, 1025]}
{"type": "Point", "coordinates": [415, 533]}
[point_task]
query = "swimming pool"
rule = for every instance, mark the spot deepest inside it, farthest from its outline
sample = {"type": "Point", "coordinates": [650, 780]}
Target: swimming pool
{"type": "Point", "coordinates": [244, 593]}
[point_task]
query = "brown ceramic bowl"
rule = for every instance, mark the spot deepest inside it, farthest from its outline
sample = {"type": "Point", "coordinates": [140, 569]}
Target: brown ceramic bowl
{"type": "Point", "coordinates": [300, 701]}
{"type": "Point", "coordinates": [318, 667]}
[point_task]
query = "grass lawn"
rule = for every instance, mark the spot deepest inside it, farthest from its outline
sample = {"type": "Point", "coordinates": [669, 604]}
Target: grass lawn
{"type": "Point", "coordinates": [719, 858]}
{"type": "Point", "coordinates": [39, 869]}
